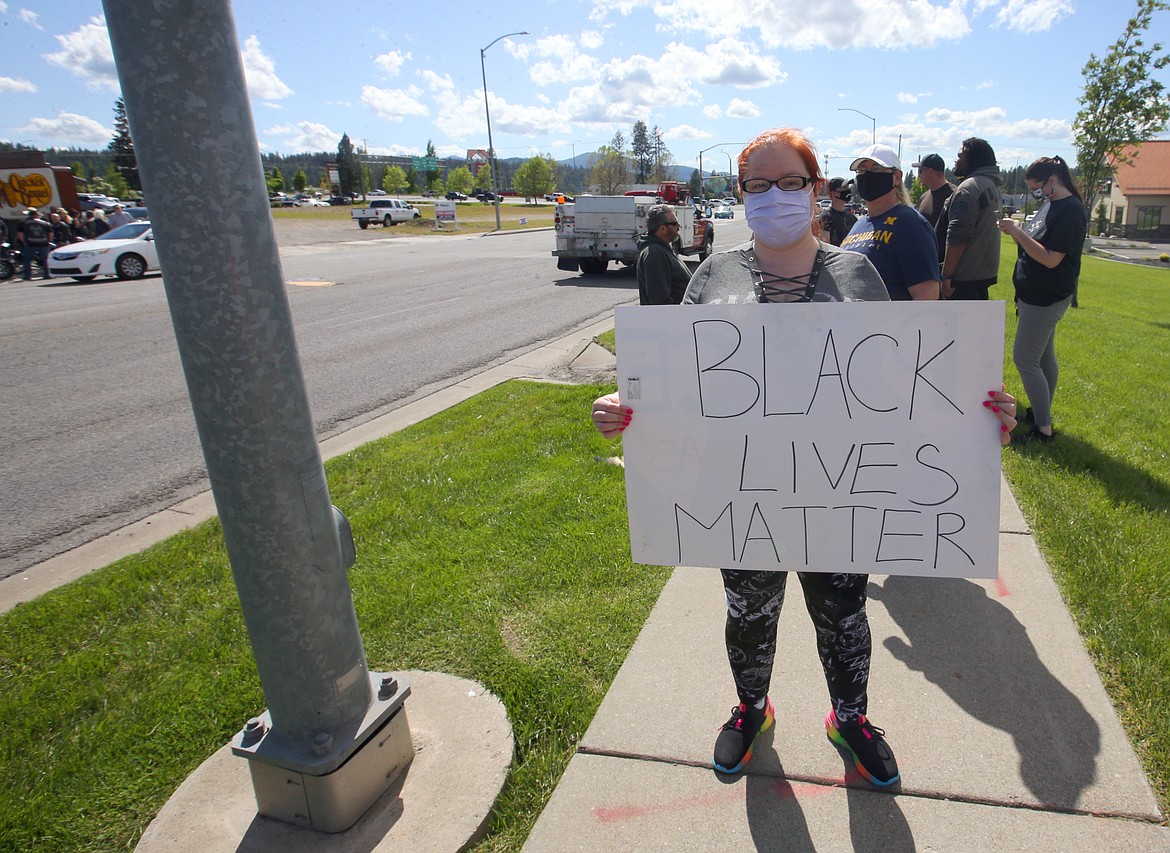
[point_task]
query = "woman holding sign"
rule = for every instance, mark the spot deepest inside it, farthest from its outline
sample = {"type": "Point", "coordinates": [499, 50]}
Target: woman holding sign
{"type": "Point", "coordinates": [785, 262]}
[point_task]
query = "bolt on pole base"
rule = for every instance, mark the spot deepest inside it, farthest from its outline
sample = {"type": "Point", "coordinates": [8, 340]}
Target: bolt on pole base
{"type": "Point", "coordinates": [353, 774]}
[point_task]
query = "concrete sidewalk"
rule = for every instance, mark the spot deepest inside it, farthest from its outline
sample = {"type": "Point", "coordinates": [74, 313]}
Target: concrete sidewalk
{"type": "Point", "coordinates": [1004, 734]}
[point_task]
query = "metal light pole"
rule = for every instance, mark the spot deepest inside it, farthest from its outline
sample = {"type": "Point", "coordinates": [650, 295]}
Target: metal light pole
{"type": "Point", "coordinates": [487, 111]}
{"type": "Point", "coordinates": [710, 148]}
{"type": "Point", "coordinates": [860, 113]}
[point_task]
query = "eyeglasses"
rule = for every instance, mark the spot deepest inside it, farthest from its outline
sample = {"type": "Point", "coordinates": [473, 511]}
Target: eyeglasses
{"type": "Point", "coordinates": [789, 183]}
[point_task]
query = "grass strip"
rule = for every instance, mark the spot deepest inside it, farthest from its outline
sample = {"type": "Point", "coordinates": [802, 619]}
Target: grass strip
{"type": "Point", "coordinates": [1098, 497]}
{"type": "Point", "coordinates": [491, 545]}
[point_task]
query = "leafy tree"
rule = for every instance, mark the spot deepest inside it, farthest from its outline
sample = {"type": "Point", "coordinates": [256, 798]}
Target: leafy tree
{"type": "Point", "coordinates": [394, 181]}
{"type": "Point", "coordinates": [117, 185]}
{"type": "Point", "coordinates": [611, 169]}
{"type": "Point", "coordinates": [534, 178]}
{"type": "Point", "coordinates": [300, 181]}
{"type": "Point", "coordinates": [122, 147]}
{"type": "Point", "coordinates": [366, 180]}
{"type": "Point", "coordinates": [917, 189]}
{"type": "Point", "coordinates": [349, 167]}
{"type": "Point", "coordinates": [460, 180]}
{"type": "Point", "coordinates": [77, 168]}
{"type": "Point", "coordinates": [432, 176]}
{"type": "Point", "coordinates": [642, 150]}
{"type": "Point", "coordinates": [483, 177]}
{"type": "Point", "coordinates": [1121, 106]}
{"type": "Point", "coordinates": [275, 181]}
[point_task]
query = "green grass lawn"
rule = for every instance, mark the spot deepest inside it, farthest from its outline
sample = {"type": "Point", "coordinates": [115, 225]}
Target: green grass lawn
{"type": "Point", "coordinates": [494, 547]}
{"type": "Point", "coordinates": [473, 216]}
{"type": "Point", "coordinates": [489, 546]}
{"type": "Point", "coordinates": [1098, 497]}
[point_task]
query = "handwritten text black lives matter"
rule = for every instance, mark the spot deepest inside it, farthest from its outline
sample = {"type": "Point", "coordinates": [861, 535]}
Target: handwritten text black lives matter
{"type": "Point", "coordinates": [815, 466]}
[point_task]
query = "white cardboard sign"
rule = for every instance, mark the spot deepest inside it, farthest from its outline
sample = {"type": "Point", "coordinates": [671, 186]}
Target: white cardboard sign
{"type": "Point", "coordinates": [825, 437]}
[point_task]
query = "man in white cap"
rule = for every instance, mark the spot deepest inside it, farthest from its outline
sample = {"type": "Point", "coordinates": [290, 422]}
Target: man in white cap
{"type": "Point", "coordinates": [895, 237]}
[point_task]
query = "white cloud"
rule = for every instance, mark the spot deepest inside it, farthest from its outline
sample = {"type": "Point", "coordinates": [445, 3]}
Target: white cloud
{"type": "Point", "coordinates": [1027, 16]}
{"type": "Point", "coordinates": [739, 108]}
{"type": "Point", "coordinates": [728, 62]}
{"type": "Point", "coordinates": [685, 131]}
{"type": "Point", "coordinates": [30, 17]}
{"type": "Point", "coordinates": [260, 72]}
{"type": "Point", "coordinates": [713, 111]}
{"type": "Point", "coordinates": [391, 63]}
{"type": "Point", "coordinates": [69, 129]}
{"type": "Point", "coordinates": [801, 25]}
{"type": "Point", "coordinates": [592, 39]}
{"type": "Point", "coordinates": [992, 122]}
{"type": "Point", "coordinates": [86, 52]}
{"type": "Point", "coordinates": [305, 136]}
{"type": "Point", "coordinates": [14, 84]}
{"type": "Point", "coordinates": [394, 104]}
{"type": "Point", "coordinates": [986, 84]}
{"type": "Point", "coordinates": [912, 97]}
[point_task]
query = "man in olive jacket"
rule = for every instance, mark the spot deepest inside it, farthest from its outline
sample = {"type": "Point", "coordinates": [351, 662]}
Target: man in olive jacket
{"type": "Point", "coordinates": [970, 263]}
{"type": "Point", "coordinates": [662, 276]}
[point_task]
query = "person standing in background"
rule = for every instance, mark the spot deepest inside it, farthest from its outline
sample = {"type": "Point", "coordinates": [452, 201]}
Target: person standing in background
{"type": "Point", "coordinates": [970, 264]}
{"type": "Point", "coordinates": [1045, 278]}
{"type": "Point", "coordinates": [662, 276]}
{"type": "Point", "coordinates": [893, 235]}
{"type": "Point", "coordinates": [837, 222]}
{"type": "Point", "coordinates": [931, 171]}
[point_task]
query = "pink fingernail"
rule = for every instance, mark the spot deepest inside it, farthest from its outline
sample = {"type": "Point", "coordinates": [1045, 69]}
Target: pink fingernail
{"type": "Point", "coordinates": [1003, 427]}
{"type": "Point", "coordinates": [995, 408]}
{"type": "Point", "coordinates": [987, 402]}
{"type": "Point", "coordinates": [991, 393]}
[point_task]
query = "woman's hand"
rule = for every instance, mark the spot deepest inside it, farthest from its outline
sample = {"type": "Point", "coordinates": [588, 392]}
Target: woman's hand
{"type": "Point", "coordinates": [610, 416]}
{"type": "Point", "coordinates": [1009, 227]}
{"type": "Point", "coordinates": [1003, 406]}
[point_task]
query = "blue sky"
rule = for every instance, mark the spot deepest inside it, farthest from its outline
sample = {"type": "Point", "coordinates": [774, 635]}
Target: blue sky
{"type": "Point", "coordinates": [709, 73]}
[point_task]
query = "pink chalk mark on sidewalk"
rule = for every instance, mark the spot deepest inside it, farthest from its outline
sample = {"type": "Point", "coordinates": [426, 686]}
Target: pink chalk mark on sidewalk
{"type": "Point", "coordinates": [783, 789]}
{"type": "Point", "coordinates": [1001, 587]}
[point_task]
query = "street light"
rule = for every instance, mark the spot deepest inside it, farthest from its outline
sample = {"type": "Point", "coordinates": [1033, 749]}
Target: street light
{"type": "Point", "coordinates": [860, 113]}
{"type": "Point", "coordinates": [488, 113]}
{"type": "Point", "coordinates": [709, 148]}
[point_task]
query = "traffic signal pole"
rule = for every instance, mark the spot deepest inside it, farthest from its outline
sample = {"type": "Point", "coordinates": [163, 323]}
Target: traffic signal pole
{"type": "Point", "coordinates": [187, 102]}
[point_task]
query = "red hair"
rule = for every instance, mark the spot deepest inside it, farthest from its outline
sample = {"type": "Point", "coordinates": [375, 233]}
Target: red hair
{"type": "Point", "coordinates": [795, 140]}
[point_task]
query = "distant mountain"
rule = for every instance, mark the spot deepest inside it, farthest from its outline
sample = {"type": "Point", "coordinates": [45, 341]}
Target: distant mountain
{"type": "Point", "coordinates": [585, 161]}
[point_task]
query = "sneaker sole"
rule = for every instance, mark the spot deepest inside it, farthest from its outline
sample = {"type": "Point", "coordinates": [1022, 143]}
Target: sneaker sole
{"type": "Point", "coordinates": [769, 718]}
{"type": "Point", "coordinates": [838, 740]}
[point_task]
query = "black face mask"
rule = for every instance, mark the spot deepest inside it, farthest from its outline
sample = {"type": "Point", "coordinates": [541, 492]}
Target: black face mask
{"type": "Point", "coordinates": [873, 185]}
{"type": "Point", "coordinates": [845, 196]}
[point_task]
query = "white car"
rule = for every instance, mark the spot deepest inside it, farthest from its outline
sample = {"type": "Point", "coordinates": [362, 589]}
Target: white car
{"type": "Point", "coordinates": [312, 202]}
{"type": "Point", "coordinates": [127, 252]}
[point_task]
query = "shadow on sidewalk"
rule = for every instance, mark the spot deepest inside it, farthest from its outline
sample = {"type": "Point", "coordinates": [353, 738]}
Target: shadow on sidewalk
{"type": "Point", "coordinates": [980, 655]}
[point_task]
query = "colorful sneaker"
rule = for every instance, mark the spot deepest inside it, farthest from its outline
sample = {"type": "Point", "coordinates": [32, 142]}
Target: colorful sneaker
{"type": "Point", "coordinates": [866, 743]}
{"type": "Point", "coordinates": [733, 747]}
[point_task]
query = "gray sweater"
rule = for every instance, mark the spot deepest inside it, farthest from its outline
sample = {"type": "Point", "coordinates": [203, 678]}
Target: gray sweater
{"type": "Point", "coordinates": [725, 278]}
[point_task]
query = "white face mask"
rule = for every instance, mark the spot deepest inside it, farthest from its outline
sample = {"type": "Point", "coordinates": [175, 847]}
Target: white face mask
{"type": "Point", "coordinates": [778, 218]}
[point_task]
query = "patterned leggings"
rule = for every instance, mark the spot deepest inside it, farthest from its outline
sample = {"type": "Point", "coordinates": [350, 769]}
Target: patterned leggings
{"type": "Point", "coordinates": [836, 604]}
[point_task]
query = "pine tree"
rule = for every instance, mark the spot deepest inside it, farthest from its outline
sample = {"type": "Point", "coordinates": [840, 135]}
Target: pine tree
{"type": "Point", "coordinates": [122, 147]}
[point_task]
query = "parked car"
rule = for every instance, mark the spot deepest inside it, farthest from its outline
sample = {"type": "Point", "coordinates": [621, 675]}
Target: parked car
{"type": "Point", "coordinates": [127, 252]}
{"type": "Point", "coordinates": [722, 211]}
{"type": "Point", "coordinates": [312, 202]}
{"type": "Point", "coordinates": [381, 192]}
{"type": "Point", "coordinates": [453, 195]}
{"type": "Point", "coordinates": [138, 212]}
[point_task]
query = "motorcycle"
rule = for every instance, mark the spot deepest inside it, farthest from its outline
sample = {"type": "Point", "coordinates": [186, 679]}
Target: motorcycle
{"type": "Point", "coordinates": [10, 261]}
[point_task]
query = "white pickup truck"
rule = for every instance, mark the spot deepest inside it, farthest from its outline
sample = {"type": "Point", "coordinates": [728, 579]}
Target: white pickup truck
{"type": "Point", "coordinates": [388, 211]}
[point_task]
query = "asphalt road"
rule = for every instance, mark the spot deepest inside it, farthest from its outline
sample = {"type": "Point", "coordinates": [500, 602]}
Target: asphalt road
{"type": "Point", "coordinates": [96, 425]}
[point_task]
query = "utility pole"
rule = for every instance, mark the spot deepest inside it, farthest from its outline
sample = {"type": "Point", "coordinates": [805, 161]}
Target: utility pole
{"type": "Point", "coordinates": [289, 548]}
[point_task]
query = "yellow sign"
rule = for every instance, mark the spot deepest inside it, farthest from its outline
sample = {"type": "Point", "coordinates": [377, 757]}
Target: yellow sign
{"type": "Point", "coordinates": [26, 189]}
